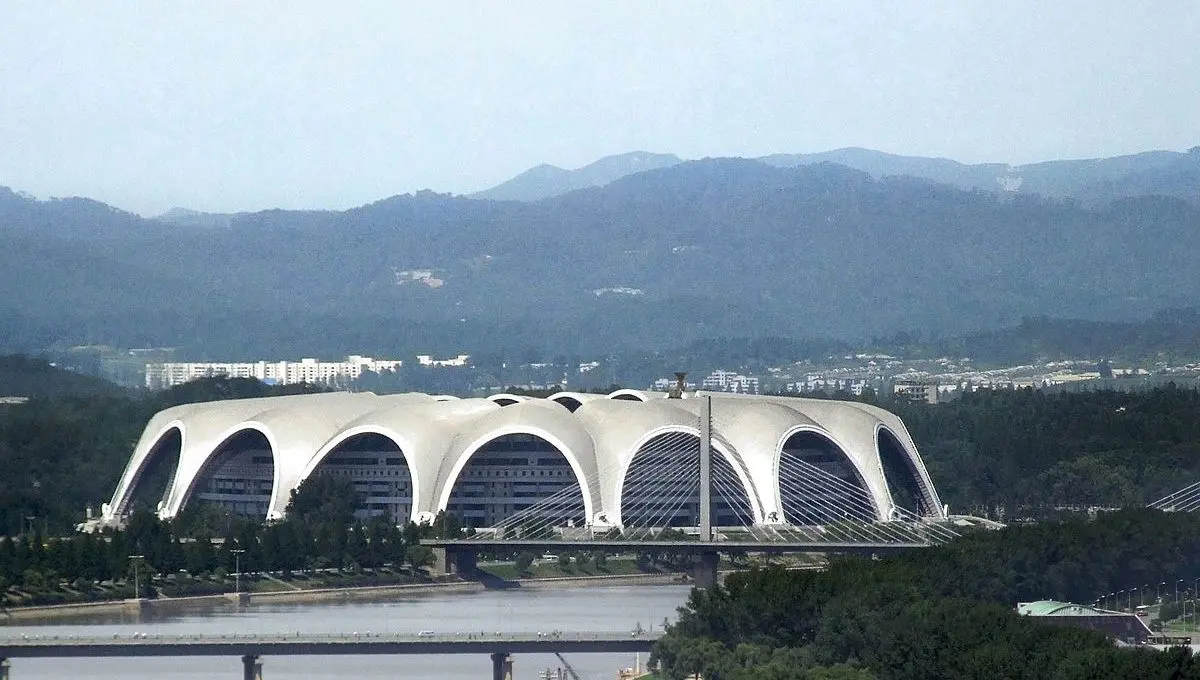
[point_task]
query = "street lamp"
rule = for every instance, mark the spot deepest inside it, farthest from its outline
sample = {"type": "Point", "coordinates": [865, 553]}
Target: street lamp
{"type": "Point", "coordinates": [1177, 590]}
{"type": "Point", "coordinates": [137, 590]}
{"type": "Point", "coordinates": [1194, 591]}
{"type": "Point", "coordinates": [237, 569]}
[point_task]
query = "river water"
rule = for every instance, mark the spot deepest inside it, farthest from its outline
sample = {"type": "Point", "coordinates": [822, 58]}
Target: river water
{"type": "Point", "coordinates": [583, 609]}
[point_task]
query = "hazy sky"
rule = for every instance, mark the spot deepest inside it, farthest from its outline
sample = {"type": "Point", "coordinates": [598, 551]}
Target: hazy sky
{"type": "Point", "coordinates": [227, 106]}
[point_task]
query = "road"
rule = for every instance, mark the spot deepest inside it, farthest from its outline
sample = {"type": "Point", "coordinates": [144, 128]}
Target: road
{"type": "Point", "coordinates": [364, 642]}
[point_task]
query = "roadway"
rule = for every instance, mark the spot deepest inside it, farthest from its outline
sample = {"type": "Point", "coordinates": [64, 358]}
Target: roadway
{"type": "Point", "coordinates": [256, 644]}
{"type": "Point", "coordinates": [678, 547]}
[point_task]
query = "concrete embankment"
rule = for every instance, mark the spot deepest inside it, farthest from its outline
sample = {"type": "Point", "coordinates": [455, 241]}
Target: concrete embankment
{"type": "Point", "coordinates": [18, 615]}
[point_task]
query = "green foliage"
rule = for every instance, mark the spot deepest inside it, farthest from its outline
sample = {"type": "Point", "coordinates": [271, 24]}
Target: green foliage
{"type": "Point", "coordinates": [324, 499]}
{"type": "Point", "coordinates": [523, 562]}
{"type": "Point", "coordinates": [942, 612]}
{"type": "Point", "coordinates": [25, 376]}
{"type": "Point", "coordinates": [1018, 453]}
{"type": "Point", "coordinates": [61, 454]}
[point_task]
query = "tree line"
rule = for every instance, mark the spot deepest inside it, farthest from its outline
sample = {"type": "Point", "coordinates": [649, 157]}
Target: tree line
{"type": "Point", "coordinates": [320, 533]}
{"type": "Point", "coordinates": [945, 612]}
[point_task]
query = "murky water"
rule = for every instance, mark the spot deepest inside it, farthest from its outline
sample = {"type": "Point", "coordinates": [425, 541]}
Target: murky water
{"type": "Point", "coordinates": [592, 608]}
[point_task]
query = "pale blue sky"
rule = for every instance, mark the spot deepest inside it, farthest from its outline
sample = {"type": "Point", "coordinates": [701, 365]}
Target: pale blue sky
{"type": "Point", "coordinates": [226, 106]}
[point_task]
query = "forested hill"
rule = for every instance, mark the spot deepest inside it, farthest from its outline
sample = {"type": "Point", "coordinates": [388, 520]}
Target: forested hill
{"type": "Point", "coordinates": [654, 260]}
{"type": "Point", "coordinates": [24, 376]}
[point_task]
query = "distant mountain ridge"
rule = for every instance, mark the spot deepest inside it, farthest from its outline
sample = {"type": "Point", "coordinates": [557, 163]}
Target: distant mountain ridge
{"type": "Point", "coordinates": [652, 260]}
{"type": "Point", "coordinates": [544, 181]}
{"type": "Point", "coordinates": [1093, 182]}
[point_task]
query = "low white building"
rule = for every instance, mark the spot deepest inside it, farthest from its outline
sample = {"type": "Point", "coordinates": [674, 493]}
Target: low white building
{"type": "Point", "coordinates": [308, 370]}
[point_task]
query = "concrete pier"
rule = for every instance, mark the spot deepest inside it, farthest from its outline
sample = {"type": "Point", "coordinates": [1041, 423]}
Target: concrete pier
{"type": "Point", "coordinates": [3, 669]}
{"type": "Point", "coordinates": [502, 666]}
{"type": "Point", "coordinates": [252, 667]}
{"type": "Point", "coordinates": [459, 561]}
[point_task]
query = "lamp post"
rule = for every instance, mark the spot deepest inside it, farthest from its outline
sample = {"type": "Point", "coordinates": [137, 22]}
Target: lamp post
{"type": "Point", "coordinates": [137, 590]}
{"type": "Point", "coordinates": [1177, 590]}
{"type": "Point", "coordinates": [237, 569]}
{"type": "Point", "coordinates": [1131, 598]}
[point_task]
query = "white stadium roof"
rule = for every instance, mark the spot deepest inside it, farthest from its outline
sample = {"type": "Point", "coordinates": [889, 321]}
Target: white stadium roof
{"type": "Point", "coordinates": [598, 434]}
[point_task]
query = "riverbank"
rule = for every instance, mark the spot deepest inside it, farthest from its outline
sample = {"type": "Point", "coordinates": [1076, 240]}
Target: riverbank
{"type": "Point", "coordinates": [60, 612]}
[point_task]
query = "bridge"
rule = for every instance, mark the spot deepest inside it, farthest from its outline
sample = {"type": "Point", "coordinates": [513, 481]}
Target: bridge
{"type": "Point", "coordinates": [690, 507]}
{"type": "Point", "coordinates": [252, 647]}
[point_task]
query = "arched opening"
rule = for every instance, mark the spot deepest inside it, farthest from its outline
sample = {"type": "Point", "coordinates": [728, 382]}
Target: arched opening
{"type": "Point", "coordinates": [903, 478]}
{"type": "Point", "coordinates": [152, 482]}
{"type": "Point", "coordinates": [570, 403]}
{"type": "Point", "coordinates": [378, 469]}
{"type": "Point", "coordinates": [661, 487]}
{"type": "Point", "coordinates": [237, 478]}
{"type": "Point", "coordinates": [504, 401]}
{"type": "Point", "coordinates": [520, 476]}
{"type": "Point", "coordinates": [818, 484]}
{"type": "Point", "coordinates": [627, 397]}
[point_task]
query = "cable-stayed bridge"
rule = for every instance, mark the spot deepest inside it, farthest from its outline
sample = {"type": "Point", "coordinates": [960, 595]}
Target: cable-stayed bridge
{"type": "Point", "coordinates": [1186, 499]}
{"type": "Point", "coordinates": [679, 498]}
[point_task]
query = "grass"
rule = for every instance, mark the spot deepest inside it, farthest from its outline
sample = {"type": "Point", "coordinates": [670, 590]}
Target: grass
{"type": "Point", "coordinates": [614, 566]}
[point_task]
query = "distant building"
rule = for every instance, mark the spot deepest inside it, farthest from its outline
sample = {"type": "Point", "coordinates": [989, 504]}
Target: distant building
{"type": "Point", "coordinates": [916, 391]}
{"type": "Point", "coordinates": [334, 373]}
{"type": "Point", "coordinates": [728, 381]}
{"type": "Point", "coordinates": [1123, 626]}
{"type": "Point", "coordinates": [428, 360]}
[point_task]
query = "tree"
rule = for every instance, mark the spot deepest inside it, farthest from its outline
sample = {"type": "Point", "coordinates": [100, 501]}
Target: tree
{"type": "Point", "coordinates": [523, 562]}
{"type": "Point", "coordinates": [420, 556]}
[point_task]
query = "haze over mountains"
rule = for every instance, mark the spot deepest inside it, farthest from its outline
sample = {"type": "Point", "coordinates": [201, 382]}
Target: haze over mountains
{"type": "Point", "coordinates": [783, 246]}
{"type": "Point", "coordinates": [1091, 181]}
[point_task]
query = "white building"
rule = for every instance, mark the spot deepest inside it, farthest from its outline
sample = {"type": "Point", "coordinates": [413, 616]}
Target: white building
{"type": "Point", "coordinates": [458, 361]}
{"type": "Point", "coordinates": [728, 381]}
{"type": "Point", "coordinates": [163, 375]}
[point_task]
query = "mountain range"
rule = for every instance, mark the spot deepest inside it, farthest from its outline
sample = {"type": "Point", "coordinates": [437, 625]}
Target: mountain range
{"type": "Point", "coordinates": [1091, 181]}
{"type": "Point", "coordinates": [781, 246]}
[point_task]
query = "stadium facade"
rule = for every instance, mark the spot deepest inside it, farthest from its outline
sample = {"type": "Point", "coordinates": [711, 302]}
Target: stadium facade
{"type": "Point", "coordinates": [610, 460]}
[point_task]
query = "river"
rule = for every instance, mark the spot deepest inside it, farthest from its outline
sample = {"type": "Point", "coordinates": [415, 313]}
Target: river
{"type": "Point", "coordinates": [531, 609]}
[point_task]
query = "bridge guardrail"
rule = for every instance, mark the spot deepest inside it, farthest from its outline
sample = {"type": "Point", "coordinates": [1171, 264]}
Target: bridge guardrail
{"type": "Point", "coordinates": [152, 639]}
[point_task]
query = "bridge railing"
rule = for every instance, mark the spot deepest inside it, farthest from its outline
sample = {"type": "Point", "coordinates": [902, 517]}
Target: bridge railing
{"type": "Point", "coordinates": [150, 639]}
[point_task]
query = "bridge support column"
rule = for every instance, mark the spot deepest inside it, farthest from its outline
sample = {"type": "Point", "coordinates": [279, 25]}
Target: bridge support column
{"type": "Point", "coordinates": [252, 667]}
{"type": "Point", "coordinates": [3, 669]}
{"type": "Point", "coordinates": [465, 563]}
{"type": "Point", "coordinates": [704, 570]}
{"type": "Point", "coordinates": [441, 562]}
{"type": "Point", "coordinates": [454, 561]}
{"type": "Point", "coordinates": [501, 666]}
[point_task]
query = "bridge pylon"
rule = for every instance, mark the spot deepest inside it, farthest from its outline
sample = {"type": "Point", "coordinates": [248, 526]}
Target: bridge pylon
{"type": "Point", "coordinates": [502, 666]}
{"type": "Point", "coordinates": [252, 667]}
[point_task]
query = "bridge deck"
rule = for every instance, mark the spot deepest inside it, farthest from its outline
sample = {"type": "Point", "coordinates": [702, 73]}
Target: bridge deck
{"type": "Point", "coordinates": [609, 545]}
{"type": "Point", "coordinates": [242, 644]}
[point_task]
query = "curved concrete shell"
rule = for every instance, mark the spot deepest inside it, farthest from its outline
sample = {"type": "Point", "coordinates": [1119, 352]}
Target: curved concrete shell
{"type": "Point", "coordinates": [431, 439]}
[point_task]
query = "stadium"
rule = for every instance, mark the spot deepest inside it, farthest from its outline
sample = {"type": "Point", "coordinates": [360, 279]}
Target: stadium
{"type": "Point", "coordinates": [576, 460]}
